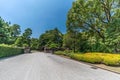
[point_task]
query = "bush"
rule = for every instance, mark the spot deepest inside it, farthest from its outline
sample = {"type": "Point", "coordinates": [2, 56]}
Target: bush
{"type": "Point", "coordinates": [59, 52]}
{"type": "Point", "coordinates": [112, 60]}
{"type": "Point", "coordinates": [77, 57]}
{"type": "Point", "coordinates": [105, 58]}
{"type": "Point", "coordinates": [6, 50]}
{"type": "Point", "coordinates": [92, 58]}
{"type": "Point", "coordinates": [63, 53]}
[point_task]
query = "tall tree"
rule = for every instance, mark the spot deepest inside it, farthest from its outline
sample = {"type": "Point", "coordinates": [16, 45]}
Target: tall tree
{"type": "Point", "coordinates": [113, 36]}
{"type": "Point", "coordinates": [34, 44]}
{"type": "Point", "coordinates": [51, 39]}
{"type": "Point", "coordinates": [93, 17]}
{"type": "Point", "coordinates": [26, 36]}
{"type": "Point", "coordinates": [15, 30]}
{"type": "Point", "coordinates": [25, 39]}
{"type": "Point", "coordinates": [4, 31]}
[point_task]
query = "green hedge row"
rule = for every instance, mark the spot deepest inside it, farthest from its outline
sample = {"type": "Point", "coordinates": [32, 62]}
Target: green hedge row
{"type": "Point", "coordinates": [6, 51]}
{"type": "Point", "coordinates": [99, 58]}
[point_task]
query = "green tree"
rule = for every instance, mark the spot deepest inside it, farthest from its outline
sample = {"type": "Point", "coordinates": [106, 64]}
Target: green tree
{"type": "Point", "coordinates": [4, 31]}
{"type": "Point", "coordinates": [25, 39]}
{"type": "Point", "coordinates": [26, 36]}
{"type": "Point", "coordinates": [95, 18]}
{"type": "Point", "coordinates": [8, 32]}
{"type": "Point", "coordinates": [15, 30]}
{"type": "Point", "coordinates": [34, 44]}
{"type": "Point", "coordinates": [68, 41]}
{"type": "Point", "coordinates": [50, 38]}
{"type": "Point", "coordinates": [113, 36]}
{"type": "Point", "coordinates": [19, 42]}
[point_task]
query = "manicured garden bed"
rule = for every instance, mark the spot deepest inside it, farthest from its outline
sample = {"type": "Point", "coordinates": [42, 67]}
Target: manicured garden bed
{"type": "Point", "coordinates": [96, 58]}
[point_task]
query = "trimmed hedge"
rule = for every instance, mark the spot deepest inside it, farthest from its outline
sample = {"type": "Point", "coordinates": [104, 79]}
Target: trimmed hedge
{"type": "Point", "coordinates": [112, 60]}
{"type": "Point", "coordinates": [6, 51]}
{"type": "Point", "coordinates": [91, 58]}
{"type": "Point", "coordinates": [99, 58]}
{"type": "Point", "coordinates": [59, 53]}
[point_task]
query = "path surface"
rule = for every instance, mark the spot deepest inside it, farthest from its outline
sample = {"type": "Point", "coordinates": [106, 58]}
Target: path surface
{"type": "Point", "coordinates": [39, 66]}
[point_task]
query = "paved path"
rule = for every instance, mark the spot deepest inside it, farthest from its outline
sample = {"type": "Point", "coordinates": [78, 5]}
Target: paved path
{"type": "Point", "coordinates": [39, 66]}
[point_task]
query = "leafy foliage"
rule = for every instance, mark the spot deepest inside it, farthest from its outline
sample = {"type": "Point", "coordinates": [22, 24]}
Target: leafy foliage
{"type": "Point", "coordinates": [25, 39]}
{"type": "Point", "coordinates": [6, 50]}
{"type": "Point", "coordinates": [51, 39]}
{"type": "Point", "coordinates": [99, 58]}
{"type": "Point", "coordinates": [96, 20]}
{"type": "Point", "coordinates": [34, 44]}
{"type": "Point", "coordinates": [8, 32]}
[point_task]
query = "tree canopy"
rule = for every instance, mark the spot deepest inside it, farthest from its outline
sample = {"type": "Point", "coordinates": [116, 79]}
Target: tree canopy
{"type": "Point", "coordinates": [51, 39]}
{"type": "Point", "coordinates": [97, 18]}
{"type": "Point", "coordinates": [8, 32]}
{"type": "Point", "coordinates": [92, 26]}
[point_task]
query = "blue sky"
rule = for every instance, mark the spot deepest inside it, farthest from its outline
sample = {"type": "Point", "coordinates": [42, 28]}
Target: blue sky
{"type": "Point", "coordinates": [39, 15]}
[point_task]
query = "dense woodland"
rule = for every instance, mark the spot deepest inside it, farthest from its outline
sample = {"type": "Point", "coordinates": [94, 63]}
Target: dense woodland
{"type": "Point", "coordinates": [11, 34]}
{"type": "Point", "coordinates": [92, 26]}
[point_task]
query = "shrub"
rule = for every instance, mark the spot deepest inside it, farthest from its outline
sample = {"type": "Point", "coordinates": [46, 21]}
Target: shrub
{"type": "Point", "coordinates": [112, 60]}
{"type": "Point", "coordinates": [92, 58]}
{"type": "Point", "coordinates": [63, 53]}
{"type": "Point", "coordinates": [77, 57]}
{"type": "Point", "coordinates": [6, 50]}
{"type": "Point", "coordinates": [105, 58]}
{"type": "Point", "coordinates": [59, 52]}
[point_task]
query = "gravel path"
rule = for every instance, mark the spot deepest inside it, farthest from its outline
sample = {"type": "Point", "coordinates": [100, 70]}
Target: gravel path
{"type": "Point", "coordinates": [42, 66]}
